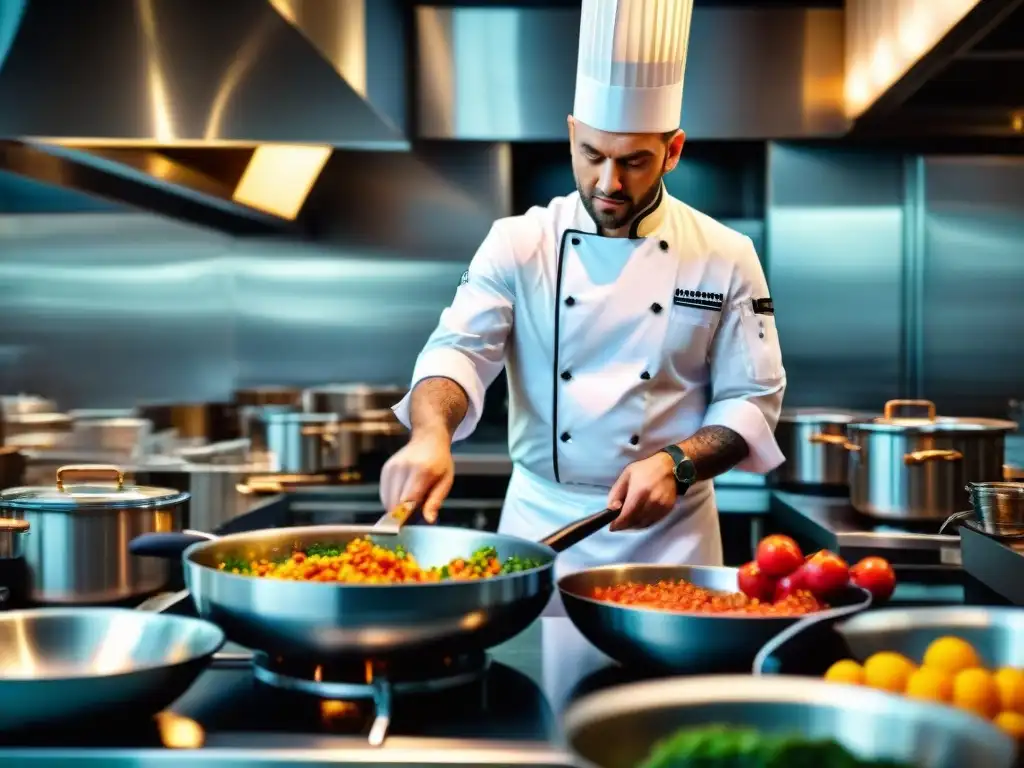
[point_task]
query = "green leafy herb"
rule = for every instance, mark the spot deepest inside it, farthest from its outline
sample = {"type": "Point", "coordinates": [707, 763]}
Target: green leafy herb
{"type": "Point", "coordinates": [516, 564]}
{"type": "Point", "coordinates": [723, 746]}
{"type": "Point", "coordinates": [235, 565]}
{"type": "Point", "coordinates": [324, 550]}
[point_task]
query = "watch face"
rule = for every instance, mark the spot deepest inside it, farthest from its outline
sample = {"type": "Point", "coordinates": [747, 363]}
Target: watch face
{"type": "Point", "coordinates": [685, 471]}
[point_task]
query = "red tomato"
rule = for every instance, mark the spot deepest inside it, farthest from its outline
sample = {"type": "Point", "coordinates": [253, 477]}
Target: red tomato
{"type": "Point", "coordinates": [825, 573]}
{"type": "Point", "coordinates": [755, 584]}
{"type": "Point", "coordinates": [778, 556]}
{"type": "Point", "coordinates": [876, 576]}
{"type": "Point", "coordinates": [789, 585]}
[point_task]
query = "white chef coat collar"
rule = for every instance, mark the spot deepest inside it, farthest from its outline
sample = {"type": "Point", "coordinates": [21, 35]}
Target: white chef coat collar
{"type": "Point", "coordinates": [644, 225]}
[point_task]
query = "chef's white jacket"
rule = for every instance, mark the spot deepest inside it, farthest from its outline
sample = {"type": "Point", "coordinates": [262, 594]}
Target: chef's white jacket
{"type": "Point", "coordinates": [614, 348]}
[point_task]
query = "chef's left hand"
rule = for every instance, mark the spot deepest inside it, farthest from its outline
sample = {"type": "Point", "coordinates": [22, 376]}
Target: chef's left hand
{"type": "Point", "coordinates": [645, 492]}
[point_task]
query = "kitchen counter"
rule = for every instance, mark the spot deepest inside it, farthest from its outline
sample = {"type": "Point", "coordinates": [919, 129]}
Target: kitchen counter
{"type": "Point", "coordinates": [510, 718]}
{"type": "Point", "coordinates": [833, 524]}
{"type": "Point", "coordinates": [998, 565]}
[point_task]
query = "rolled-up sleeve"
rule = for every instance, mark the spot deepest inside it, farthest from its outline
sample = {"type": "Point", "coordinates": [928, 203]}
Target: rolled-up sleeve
{"type": "Point", "coordinates": [468, 344]}
{"type": "Point", "coordinates": [747, 376]}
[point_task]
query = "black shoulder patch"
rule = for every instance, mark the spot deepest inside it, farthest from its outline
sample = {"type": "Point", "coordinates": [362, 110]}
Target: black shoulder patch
{"type": "Point", "coordinates": [763, 307]}
{"type": "Point", "coordinates": [464, 279]}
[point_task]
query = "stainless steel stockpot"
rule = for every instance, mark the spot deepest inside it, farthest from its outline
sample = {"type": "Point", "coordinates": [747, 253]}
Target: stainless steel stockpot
{"type": "Point", "coordinates": [77, 552]}
{"type": "Point", "coordinates": [918, 467]}
{"type": "Point", "coordinates": [348, 400]}
{"type": "Point", "coordinates": [813, 440]}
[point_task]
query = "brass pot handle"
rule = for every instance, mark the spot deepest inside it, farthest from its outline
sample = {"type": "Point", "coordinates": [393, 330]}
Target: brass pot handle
{"type": "Point", "coordinates": [95, 472]}
{"type": "Point", "coordinates": [923, 457]}
{"type": "Point", "coordinates": [837, 440]}
{"type": "Point", "coordinates": [328, 433]}
{"type": "Point", "coordinates": [824, 439]}
{"type": "Point", "coordinates": [892, 405]}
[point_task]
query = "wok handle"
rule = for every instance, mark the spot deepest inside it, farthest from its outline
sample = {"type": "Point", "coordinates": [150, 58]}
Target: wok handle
{"type": "Point", "coordinates": [578, 530]}
{"type": "Point", "coordinates": [166, 545]}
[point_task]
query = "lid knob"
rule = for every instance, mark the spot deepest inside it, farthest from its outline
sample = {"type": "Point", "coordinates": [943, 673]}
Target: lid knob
{"type": "Point", "coordinates": [95, 472]}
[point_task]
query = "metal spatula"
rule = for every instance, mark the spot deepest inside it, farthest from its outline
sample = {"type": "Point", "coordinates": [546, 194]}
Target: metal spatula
{"type": "Point", "coordinates": [391, 522]}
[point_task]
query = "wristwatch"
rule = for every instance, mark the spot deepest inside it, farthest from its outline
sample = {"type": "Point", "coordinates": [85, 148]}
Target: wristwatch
{"type": "Point", "coordinates": [683, 470]}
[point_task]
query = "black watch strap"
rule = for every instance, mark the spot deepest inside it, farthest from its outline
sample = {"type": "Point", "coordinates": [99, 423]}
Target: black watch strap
{"type": "Point", "coordinates": [683, 470]}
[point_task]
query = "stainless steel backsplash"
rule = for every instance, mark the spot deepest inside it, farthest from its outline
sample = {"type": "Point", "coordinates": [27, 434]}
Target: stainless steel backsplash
{"type": "Point", "coordinates": [104, 310]}
{"type": "Point", "coordinates": [893, 276]}
{"type": "Point", "coordinates": [897, 276]}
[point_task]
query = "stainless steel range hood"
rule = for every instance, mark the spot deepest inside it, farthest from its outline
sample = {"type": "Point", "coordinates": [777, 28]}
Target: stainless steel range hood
{"type": "Point", "coordinates": [218, 111]}
{"type": "Point", "coordinates": [493, 73]}
{"type": "Point", "coordinates": [936, 69]}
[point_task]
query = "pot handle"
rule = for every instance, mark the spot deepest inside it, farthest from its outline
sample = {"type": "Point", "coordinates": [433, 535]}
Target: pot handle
{"type": "Point", "coordinates": [105, 472]}
{"type": "Point", "coordinates": [892, 405]}
{"type": "Point", "coordinates": [168, 546]}
{"type": "Point", "coordinates": [837, 440]}
{"type": "Point", "coordinates": [956, 517]}
{"type": "Point", "coordinates": [577, 531]}
{"type": "Point", "coordinates": [163, 601]}
{"type": "Point", "coordinates": [923, 457]}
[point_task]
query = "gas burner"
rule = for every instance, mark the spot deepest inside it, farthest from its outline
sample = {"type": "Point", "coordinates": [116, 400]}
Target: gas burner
{"type": "Point", "coordinates": [378, 681]}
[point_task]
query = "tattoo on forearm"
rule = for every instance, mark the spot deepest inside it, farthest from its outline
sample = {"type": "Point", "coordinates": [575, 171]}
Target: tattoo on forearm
{"type": "Point", "coordinates": [438, 403]}
{"type": "Point", "coordinates": [715, 450]}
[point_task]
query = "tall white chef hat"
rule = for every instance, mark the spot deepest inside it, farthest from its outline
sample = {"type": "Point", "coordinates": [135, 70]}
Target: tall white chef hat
{"type": "Point", "coordinates": [631, 64]}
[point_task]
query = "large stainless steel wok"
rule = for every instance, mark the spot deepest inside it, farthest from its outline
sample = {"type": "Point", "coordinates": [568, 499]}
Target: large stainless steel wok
{"type": "Point", "coordinates": [63, 666]}
{"type": "Point", "coordinates": [677, 642]}
{"type": "Point", "coordinates": [326, 620]}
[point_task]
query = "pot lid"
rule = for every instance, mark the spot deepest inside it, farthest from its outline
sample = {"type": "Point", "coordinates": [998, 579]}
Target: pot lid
{"type": "Point", "coordinates": [355, 388]}
{"type": "Point", "coordinates": [920, 416]}
{"type": "Point", "coordinates": [296, 417]}
{"type": "Point", "coordinates": [830, 415]}
{"type": "Point", "coordinates": [15, 405]}
{"type": "Point", "coordinates": [101, 487]}
{"type": "Point", "coordinates": [40, 420]}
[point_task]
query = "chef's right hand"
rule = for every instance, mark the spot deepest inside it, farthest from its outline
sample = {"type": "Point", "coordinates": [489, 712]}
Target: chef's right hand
{"type": "Point", "coordinates": [422, 472]}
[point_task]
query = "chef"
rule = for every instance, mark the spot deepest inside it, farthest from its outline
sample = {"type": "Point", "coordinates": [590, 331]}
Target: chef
{"type": "Point", "coordinates": [637, 333]}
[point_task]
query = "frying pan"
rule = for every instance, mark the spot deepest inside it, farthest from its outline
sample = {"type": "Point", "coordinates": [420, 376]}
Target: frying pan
{"type": "Point", "coordinates": [684, 643]}
{"type": "Point", "coordinates": [66, 665]}
{"type": "Point", "coordinates": [327, 620]}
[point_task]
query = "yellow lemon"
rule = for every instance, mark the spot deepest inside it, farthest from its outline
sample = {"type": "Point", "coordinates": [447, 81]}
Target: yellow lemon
{"type": "Point", "coordinates": [976, 691]}
{"type": "Point", "coordinates": [951, 654]}
{"type": "Point", "coordinates": [930, 684]}
{"type": "Point", "coordinates": [1012, 723]}
{"type": "Point", "coordinates": [1010, 682]}
{"type": "Point", "coordinates": [888, 671]}
{"type": "Point", "coordinates": [845, 671]}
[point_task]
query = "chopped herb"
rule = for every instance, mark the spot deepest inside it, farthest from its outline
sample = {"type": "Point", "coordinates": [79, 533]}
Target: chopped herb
{"type": "Point", "coordinates": [235, 565]}
{"type": "Point", "coordinates": [724, 746]}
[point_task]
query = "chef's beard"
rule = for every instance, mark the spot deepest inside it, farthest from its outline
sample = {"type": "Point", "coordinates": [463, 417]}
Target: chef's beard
{"type": "Point", "coordinates": [610, 221]}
